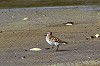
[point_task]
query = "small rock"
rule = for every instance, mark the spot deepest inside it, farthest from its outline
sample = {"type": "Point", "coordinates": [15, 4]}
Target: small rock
{"type": "Point", "coordinates": [35, 49]}
{"type": "Point", "coordinates": [87, 38]}
{"type": "Point", "coordinates": [26, 18]}
{"type": "Point", "coordinates": [23, 57]}
{"type": "Point", "coordinates": [26, 50]}
{"type": "Point", "coordinates": [92, 36]}
{"type": "Point", "coordinates": [97, 35]}
{"type": "Point", "coordinates": [68, 23]}
{"type": "Point", "coordinates": [44, 15]}
{"type": "Point", "coordinates": [2, 31]}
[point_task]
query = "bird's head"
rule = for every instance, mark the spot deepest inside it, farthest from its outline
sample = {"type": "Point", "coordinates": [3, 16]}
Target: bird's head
{"type": "Point", "coordinates": [48, 33]}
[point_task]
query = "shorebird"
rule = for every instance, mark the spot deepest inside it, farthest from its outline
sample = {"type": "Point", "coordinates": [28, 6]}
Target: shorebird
{"type": "Point", "coordinates": [53, 41]}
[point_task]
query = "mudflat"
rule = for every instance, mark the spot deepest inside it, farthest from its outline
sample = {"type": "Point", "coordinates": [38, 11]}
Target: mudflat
{"type": "Point", "coordinates": [23, 29]}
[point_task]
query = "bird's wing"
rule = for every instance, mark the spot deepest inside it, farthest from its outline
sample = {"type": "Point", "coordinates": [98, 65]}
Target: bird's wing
{"type": "Point", "coordinates": [55, 39]}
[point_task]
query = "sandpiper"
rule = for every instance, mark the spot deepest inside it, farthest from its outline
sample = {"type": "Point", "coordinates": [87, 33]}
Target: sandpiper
{"type": "Point", "coordinates": [53, 41]}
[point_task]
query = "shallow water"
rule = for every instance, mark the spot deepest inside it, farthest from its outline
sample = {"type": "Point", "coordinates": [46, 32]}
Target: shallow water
{"type": "Point", "coordinates": [86, 8]}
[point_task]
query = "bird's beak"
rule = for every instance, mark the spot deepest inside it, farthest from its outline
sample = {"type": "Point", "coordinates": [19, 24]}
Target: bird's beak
{"type": "Point", "coordinates": [45, 35]}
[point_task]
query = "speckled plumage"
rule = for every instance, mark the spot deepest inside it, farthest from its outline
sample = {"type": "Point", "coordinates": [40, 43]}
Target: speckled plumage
{"type": "Point", "coordinates": [54, 41]}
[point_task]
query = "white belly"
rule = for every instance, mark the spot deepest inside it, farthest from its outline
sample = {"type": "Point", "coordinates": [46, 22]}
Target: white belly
{"type": "Point", "coordinates": [49, 42]}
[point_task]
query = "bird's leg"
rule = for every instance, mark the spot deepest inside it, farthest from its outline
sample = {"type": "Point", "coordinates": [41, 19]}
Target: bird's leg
{"type": "Point", "coordinates": [57, 47]}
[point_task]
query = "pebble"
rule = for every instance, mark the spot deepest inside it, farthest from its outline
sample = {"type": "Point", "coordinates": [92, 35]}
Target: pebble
{"type": "Point", "coordinates": [23, 57]}
{"type": "Point", "coordinates": [44, 15]}
{"type": "Point", "coordinates": [26, 18]}
{"type": "Point", "coordinates": [97, 35]}
{"type": "Point", "coordinates": [87, 38]}
{"type": "Point", "coordinates": [35, 49]}
{"type": "Point", "coordinates": [26, 50]}
{"type": "Point", "coordinates": [68, 23]}
{"type": "Point", "coordinates": [92, 37]}
{"type": "Point", "coordinates": [2, 31]}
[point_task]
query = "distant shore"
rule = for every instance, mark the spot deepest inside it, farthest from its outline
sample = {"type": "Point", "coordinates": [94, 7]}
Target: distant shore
{"type": "Point", "coordinates": [44, 3]}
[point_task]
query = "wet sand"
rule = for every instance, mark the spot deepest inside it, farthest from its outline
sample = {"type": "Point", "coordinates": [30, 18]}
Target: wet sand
{"type": "Point", "coordinates": [17, 36]}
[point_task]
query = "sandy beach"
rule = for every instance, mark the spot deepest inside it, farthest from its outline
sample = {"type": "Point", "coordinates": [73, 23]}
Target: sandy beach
{"type": "Point", "coordinates": [24, 28]}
